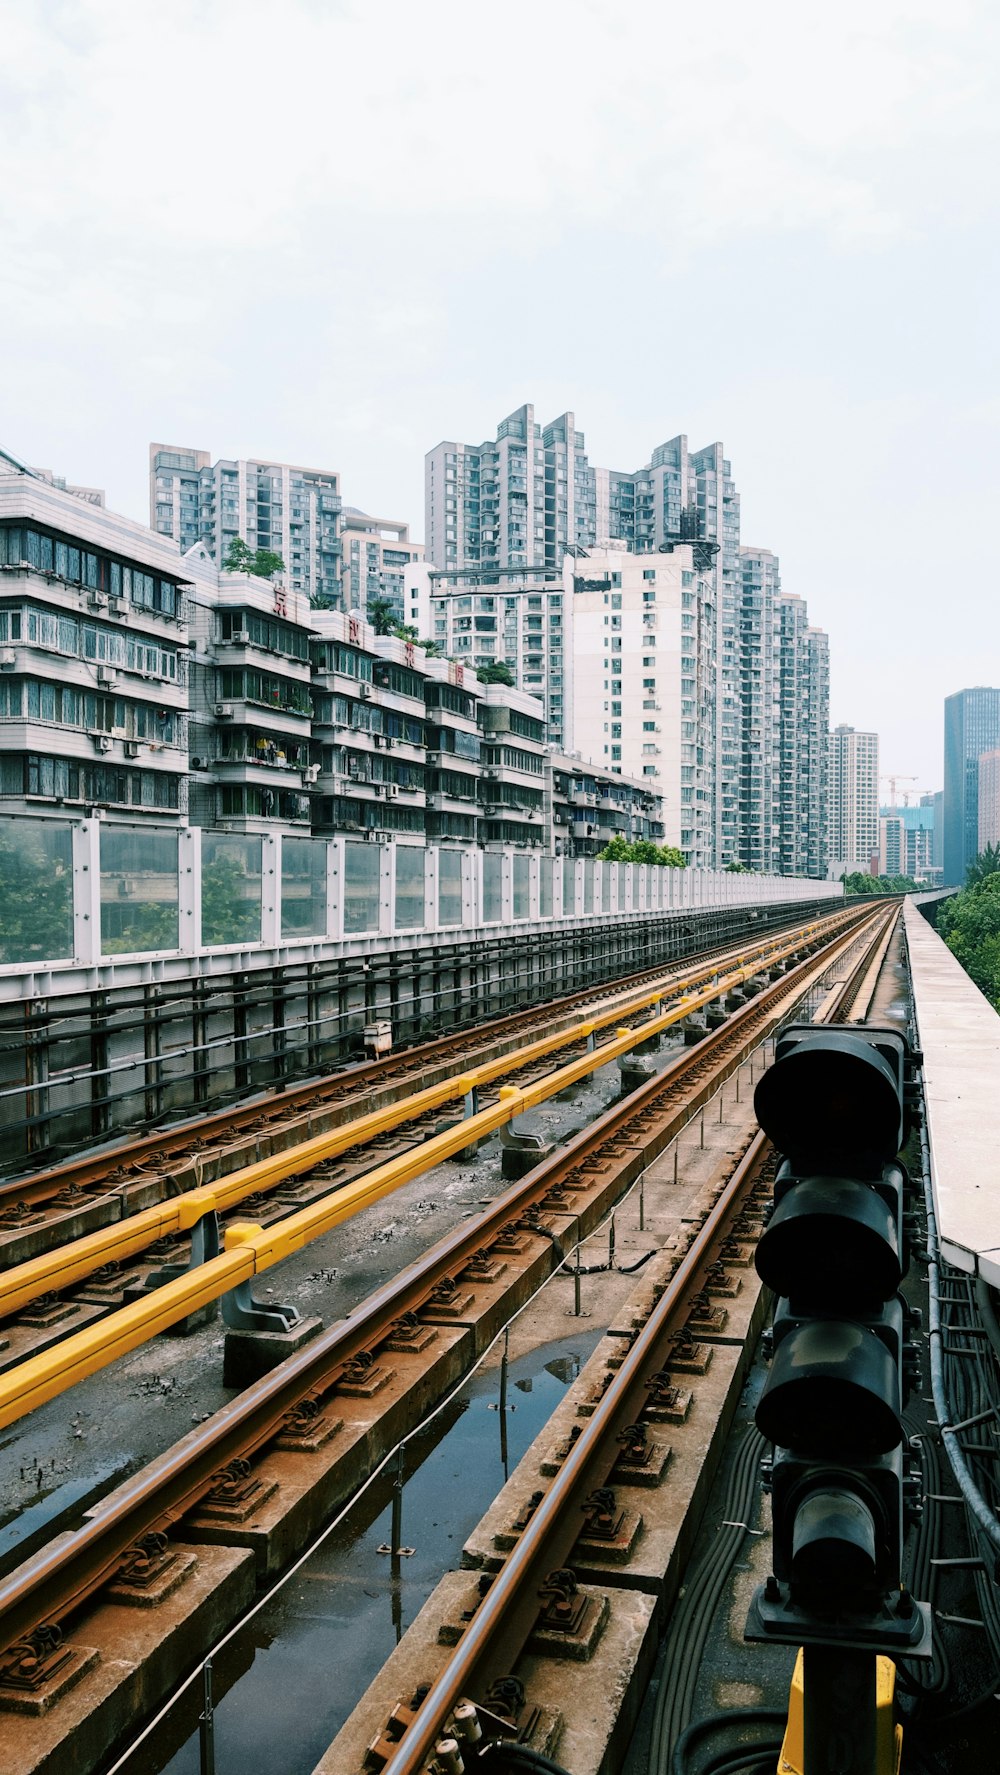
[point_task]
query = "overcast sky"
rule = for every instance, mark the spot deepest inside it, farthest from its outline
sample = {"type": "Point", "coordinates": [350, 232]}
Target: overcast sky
{"type": "Point", "coordinates": [334, 233]}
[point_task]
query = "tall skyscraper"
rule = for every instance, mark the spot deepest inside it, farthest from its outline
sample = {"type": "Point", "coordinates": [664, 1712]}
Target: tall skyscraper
{"type": "Point", "coordinates": [971, 727]}
{"type": "Point", "coordinates": [783, 704]}
{"type": "Point", "coordinates": [295, 512]}
{"type": "Point", "coordinates": [854, 827]}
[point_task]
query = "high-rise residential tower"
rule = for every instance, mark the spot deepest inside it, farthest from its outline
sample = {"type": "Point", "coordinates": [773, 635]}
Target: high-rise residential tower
{"type": "Point", "coordinates": [377, 553]}
{"type": "Point", "coordinates": [643, 665]}
{"type": "Point", "coordinates": [500, 512]}
{"type": "Point", "coordinates": [294, 512]}
{"type": "Point", "coordinates": [971, 727]}
{"type": "Point", "coordinates": [854, 819]}
{"type": "Point", "coordinates": [784, 678]}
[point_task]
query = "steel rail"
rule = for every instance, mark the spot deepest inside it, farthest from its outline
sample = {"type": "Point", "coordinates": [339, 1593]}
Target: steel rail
{"type": "Point", "coordinates": [65, 1265]}
{"type": "Point", "coordinates": [54, 1583]}
{"type": "Point", "coordinates": [278, 1106]}
{"type": "Point", "coordinates": [507, 1614]}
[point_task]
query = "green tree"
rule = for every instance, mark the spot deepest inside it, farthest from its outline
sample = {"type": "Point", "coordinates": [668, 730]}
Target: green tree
{"type": "Point", "coordinates": [737, 868]}
{"type": "Point", "coordinates": [970, 925]}
{"type": "Point", "coordinates": [859, 882]}
{"type": "Point", "coordinates": [433, 649]}
{"type": "Point", "coordinates": [986, 864]}
{"type": "Point", "coordinates": [36, 898]}
{"type": "Point", "coordinates": [227, 915]}
{"type": "Point", "coordinates": [149, 924]}
{"type": "Point", "coordinates": [382, 616]}
{"type": "Point", "coordinates": [642, 850]}
{"type": "Point", "coordinates": [497, 673]}
{"type": "Point", "coordinates": [266, 563]}
{"type": "Point", "coordinates": [241, 558]}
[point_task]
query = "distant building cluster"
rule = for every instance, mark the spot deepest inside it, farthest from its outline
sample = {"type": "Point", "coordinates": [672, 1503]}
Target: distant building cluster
{"type": "Point", "coordinates": [578, 653]}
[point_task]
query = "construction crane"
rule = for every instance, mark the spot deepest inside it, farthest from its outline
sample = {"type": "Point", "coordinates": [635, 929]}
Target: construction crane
{"type": "Point", "coordinates": [892, 780]}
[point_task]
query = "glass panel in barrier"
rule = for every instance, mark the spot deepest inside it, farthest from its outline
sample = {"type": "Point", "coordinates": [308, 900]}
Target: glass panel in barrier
{"type": "Point", "coordinates": [492, 887]}
{"type": "Point", "coordinates": [545, 869]}
{"type": "Point", "coordinates": [569, 887]}
{"type": "Point", "coordinates": [588, 884]}
{"type": "Point", "coordinates": [361, 882]}
{"type": "Point", "coordinates": [231, 880]}
{"type": "Point", "coordinates": [303, 887]}
{"type": "Point", "coordinates": [522, 886]}
{"type": "Point", "coordinates": [409, 887]}
{"type": "Point", "coordinates": [449, 887]}
{"type": "Point", "coordinates": [619, 886]}
{"type": "Point", "coordinates": [138, 890]}
{"type": "Point", "coordinates": [36, 891]}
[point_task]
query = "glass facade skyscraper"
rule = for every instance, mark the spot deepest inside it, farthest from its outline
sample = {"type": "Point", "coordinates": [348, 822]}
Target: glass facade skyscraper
{"type": "Point", "coordinates": [971, 727]}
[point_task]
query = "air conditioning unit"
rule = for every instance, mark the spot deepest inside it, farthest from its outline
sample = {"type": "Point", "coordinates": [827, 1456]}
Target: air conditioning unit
{"type": "Point", "coordinates": [198, 763]}
{"type": "Point", "coordinates": [391, 791]}
{"type": "Point", "coordinates": [120, 606]}
{"type": "Point", "coordinates": [433, 757]}
{"type": "Point", "coordinates": [98, 600]}
{"type": "Point", "coordinates": [8, 658]}
{"type": "Point", "coordinates": [366, 692]}
{"type": "Point", "coordinates": [310, 773]}
{"type": "Point", "coordinates": [106, 674]}
{"type": "Point", "coordinates": [131, 748]}
{"type": "Point", "coordinates": [558, 819]}
{"type": "Point", "coordinates": [103, 742]}
{"type": "Point", "coordinates": [224, 711]}
{"type": "Point", "coordinates": [240, 635]}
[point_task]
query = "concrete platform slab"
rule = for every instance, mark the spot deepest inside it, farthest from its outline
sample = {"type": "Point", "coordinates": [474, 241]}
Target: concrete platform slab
{"type": "Point", "coordinates": [141, 1656]}
{"type": "Point", "coordinates": [959, 1034]}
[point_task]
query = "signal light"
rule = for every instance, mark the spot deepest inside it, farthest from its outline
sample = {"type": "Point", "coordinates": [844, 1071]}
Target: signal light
{"type": "Point", "coordinates": [834, 1252]}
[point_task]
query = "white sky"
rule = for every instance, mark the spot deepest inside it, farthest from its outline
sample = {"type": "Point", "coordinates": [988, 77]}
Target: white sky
{"type": "Point", "coordinates": [336, 231]}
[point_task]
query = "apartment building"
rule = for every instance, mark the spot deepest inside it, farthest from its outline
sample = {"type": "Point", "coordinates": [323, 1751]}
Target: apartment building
{"type": "Point", "coordinates": [592, 806]}
{"type": "Point", "coordinates": [784, 683]}
{"type": "Point", "coordinates": [377, 554]}
{"type": "Point", "coordinates": [507, 511]}
{"type": "Point", "coordinates": [368, 730]}
{"type": "Point", "coordinates": [454, 750]}
{"type": "Point", "coordinates": [514, 790]}
{"type": "Point", "coordinates": [519, 619]}
{"type": "Point", "coordinates": [292, 511]}
{"type": "Point", "coordinates": [250, 719]}
{"type": "Point", "coordinates": [93, 660]}
{"type": "Point", "coordinates": [854, 816]}
{"type": "Point", "coordinates": [643, 679]}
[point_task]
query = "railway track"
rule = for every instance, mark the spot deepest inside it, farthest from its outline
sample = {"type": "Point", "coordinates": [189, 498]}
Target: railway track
{"type": "Point", "coordinates": [65, 1285]}
{"type": "Point", "coordinates": [411, 1337]}
{"type": "Point", "coordinates": [199, 1142]}
{"type": "Point", "coordinates": [532, 1593]}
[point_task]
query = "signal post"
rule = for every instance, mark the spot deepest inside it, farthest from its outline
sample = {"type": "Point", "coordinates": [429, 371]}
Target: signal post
{"type": "Point", "coordinates": [834, 1254]}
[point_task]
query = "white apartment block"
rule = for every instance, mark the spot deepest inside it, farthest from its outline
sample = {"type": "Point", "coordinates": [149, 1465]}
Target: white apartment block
{"type": "Point", "coordinates": [250, 719]}
{"type": "Point", "coordinates": [643, 679]}
{"type": "Point", "coordinates": [519, 620]}
{"type": "Point", "coordinates": [784, 721]}
{"type": "Point", "coordinates": [93, 660]}
{"type": "Point", "coordinates": [293, 511]}
{"type": "Point", "coordinates": [854, 808]}
{"type": "Point", "coordinates": [377, 557]}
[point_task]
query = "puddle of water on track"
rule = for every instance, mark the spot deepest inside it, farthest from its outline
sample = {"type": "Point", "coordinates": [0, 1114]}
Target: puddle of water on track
{"type": "Point", "coordinates": [290, 1679]}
